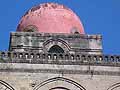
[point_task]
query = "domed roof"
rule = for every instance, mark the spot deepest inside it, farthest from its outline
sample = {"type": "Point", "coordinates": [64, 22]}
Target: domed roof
{"type": "Point", "coordinates": [51, 18]}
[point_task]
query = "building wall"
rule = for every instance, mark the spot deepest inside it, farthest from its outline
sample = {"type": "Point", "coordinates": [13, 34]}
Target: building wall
{"type": "Point", "coordinates": [42, 42]}
{"type": "Point", "coordinates": [28, 65]}
{"type": "Point", "coordinates": [23, 76]}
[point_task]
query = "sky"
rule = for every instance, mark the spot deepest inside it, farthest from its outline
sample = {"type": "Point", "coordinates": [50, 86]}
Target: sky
{"type": "Point", "coordinates": [98, 17]}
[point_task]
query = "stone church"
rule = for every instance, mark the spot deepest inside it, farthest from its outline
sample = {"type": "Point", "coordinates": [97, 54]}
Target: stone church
{"type": "Point", "coordinates": [51, 51]}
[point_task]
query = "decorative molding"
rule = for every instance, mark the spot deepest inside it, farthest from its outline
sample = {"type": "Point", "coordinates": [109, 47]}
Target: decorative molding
{"type": "Point", "coordinates": [60, 58]}
{"type": "Point", "coordinates": [114, 87]}
{"type": "Point", "coordinates": [66, 83]}
{"type": "Point", "coordinates": [61, 71]}
{"type": "Point", "coordinates": [5, 86]}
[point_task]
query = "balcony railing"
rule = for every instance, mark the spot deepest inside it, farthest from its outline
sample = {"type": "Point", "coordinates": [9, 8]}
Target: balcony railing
{"type": "Point", "coordinates": [59, 58]}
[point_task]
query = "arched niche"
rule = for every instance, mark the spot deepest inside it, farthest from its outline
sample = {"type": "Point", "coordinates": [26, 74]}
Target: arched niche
{"type": "Point", "coordinates": [30, 28]}
{"type": "Point", "coordinates": [56, 43]}
{"type": "Point", "coordinates": [56, 49]}
{"type": "Point", "coordinates": [59, 83]}
{"type": "Point", "coordinates": [5, 86]}
{"type": "Point", "coordinates": [114, 87]}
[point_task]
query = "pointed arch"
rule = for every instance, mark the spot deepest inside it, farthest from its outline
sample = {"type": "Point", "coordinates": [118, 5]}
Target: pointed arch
{"type": "Point", "coordinates": [5, 86]}
{"type": "Point", "coordinates": [56, 49]}
{"type": "Point", "coordinates": [114, 87]}
{"type": "Point", "coordinates": [51, 42]}
{"type": "Point", "coordinates": [60, 83]}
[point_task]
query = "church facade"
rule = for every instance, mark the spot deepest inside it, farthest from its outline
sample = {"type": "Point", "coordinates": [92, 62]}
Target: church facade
{"type": "Point", "coordinates": [50, 51]}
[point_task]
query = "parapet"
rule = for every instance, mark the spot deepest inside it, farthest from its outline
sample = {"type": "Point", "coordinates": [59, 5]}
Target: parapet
{"type": "Point", "coordinates": [60, 59]}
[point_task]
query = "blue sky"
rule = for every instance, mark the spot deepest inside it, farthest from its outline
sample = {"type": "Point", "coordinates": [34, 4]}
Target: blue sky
{"type": "Point", "coordinates": [98, 17]}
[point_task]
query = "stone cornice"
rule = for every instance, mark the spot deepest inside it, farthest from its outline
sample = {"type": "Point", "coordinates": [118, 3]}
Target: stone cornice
{"type": "Point", "coordinates": [60, 69]}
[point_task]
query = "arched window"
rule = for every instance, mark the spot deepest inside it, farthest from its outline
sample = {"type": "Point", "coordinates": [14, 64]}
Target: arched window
{"type": "Point", "coordinates": [74, 30]}
{"type": "Point", "coordinates": [56, 49]}
{"type": "Point", "coordinates": [30, 28]}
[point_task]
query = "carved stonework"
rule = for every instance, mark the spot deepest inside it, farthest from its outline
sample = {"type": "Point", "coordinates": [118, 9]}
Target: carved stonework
{"type": "Point", "coordinates": [42, 42]}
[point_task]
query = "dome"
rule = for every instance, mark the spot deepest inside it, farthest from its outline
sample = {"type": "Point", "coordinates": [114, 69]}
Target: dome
{"type": "Point", "coordinates": [50, 18]}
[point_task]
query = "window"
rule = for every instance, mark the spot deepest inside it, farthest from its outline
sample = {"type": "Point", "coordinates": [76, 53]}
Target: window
{"type": "Point", "coordinates": [56, 49]}
{"type": "Point", "coordinates": [30, 28]}
{"type": "Point", "coordinates": [59, 88]}
{"type": "Point", "coordinates": [74, 30]}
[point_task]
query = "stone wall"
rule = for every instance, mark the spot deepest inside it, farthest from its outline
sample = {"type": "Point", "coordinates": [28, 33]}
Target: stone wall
{"type": "Point", "coordinates": [22, 76]}
{"type": "Point", "coordinates": [28, 65]}
{"type": "Point", "coordinates": [42, 42]}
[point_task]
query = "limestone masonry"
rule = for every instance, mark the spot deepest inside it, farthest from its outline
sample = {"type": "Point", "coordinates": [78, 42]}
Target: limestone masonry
{"type": "Point", "coordinates": [50, 51]}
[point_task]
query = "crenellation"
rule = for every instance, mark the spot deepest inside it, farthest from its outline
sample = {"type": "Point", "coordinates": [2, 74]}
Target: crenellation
{"type": "Point", "coordinates": [53, 58]}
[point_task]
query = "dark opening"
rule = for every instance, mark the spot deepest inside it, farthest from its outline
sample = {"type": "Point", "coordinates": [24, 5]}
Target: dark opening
{"type": "Point", "coordinates": [30, 28]}
{"type": "Point", "coordinates": [59, 88]}
{"type": "Point", "coordinates": [56, 49]}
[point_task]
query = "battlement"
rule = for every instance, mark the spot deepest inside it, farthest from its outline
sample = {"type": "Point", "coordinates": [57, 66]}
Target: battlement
{"type": "Point", "coordinates": [59, 58]}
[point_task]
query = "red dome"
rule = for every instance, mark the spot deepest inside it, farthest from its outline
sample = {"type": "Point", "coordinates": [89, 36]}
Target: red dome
{"type": "Point", "coordinates": [51, 18]}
